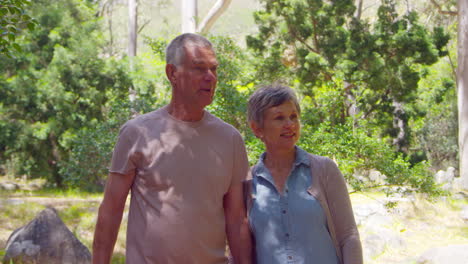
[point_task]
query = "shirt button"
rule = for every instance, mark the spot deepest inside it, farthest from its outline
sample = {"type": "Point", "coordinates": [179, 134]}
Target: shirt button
{"type": "Point", "coordinates": [289, 257]}
{"type": "Point", "coordinates": [284, 211]}
{"type": "Point", "coordinates": [287, 234]}
{"type": "Point", "coordinates": [287, 190]}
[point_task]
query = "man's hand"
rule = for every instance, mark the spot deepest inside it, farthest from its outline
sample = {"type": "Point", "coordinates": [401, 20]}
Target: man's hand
{"type": "Point", "coordinates": [237, 226]}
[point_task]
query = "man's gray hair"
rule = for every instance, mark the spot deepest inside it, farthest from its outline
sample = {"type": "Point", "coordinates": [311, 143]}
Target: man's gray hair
{"type": "Point", "coordinates": [269, 96]}
{"type": "Point", "coordinates": [175, 50]}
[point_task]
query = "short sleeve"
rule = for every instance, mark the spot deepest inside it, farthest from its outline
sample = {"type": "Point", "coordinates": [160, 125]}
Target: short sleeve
{"type": "Point", "coordinates": [241, 163]}
{"type": "Point", "coordinates": [123, 150]}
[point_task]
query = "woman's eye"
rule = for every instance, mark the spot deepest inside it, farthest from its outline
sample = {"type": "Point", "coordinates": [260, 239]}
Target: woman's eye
{"type": "Point", "coordinates": [279, 118]}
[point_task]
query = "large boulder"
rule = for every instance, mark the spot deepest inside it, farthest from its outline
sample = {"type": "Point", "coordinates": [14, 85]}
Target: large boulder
{"type": "Point", "coordinates": [45, 240]}
{"type": "Point", "coordinates": [445, 178]}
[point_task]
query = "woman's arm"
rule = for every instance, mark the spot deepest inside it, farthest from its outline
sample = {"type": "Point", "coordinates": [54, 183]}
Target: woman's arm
{"type": "Point", "coordinates": [342, 215]}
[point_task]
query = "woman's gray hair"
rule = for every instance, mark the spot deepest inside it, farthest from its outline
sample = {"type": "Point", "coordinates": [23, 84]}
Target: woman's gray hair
{"type": "Point", "coordinates": [175, 50]}
{"type": "Point", "coordinates": [266, 97]}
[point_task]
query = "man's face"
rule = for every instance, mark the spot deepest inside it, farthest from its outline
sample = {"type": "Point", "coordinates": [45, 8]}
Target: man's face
{"type": "Point", "coordinates": [196, 77]}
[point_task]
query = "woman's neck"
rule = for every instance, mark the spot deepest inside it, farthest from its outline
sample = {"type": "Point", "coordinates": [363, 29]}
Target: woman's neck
{"type": "Point", "coordinates": [280, 159]}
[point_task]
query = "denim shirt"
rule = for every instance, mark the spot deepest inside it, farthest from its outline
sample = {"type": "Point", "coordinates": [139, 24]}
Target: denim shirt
{"type": "Point", "coordinates": [289, 227]}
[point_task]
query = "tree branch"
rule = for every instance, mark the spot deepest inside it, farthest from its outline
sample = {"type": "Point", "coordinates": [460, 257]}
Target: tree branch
{"type": "Point", "coordinates": [444, 12]}
{"type": "Point", "coordinates": [144, 24]}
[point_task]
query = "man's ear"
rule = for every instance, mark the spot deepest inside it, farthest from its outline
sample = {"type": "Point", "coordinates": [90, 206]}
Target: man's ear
{"type": "Point", "coordinates": [170, 72]}
{"type": "Point", "coordinates": [256, 129]}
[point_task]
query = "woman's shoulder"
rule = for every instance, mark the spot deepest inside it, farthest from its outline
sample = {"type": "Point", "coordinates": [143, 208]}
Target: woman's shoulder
{"type": "Point", "coordinates": [324, 166]}
{"type": "Point", "coordinates": [317, 160]}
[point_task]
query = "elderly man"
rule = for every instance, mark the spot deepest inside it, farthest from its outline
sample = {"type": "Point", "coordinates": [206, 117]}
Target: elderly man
{"type": "Point", "coordinates": [184, 168]}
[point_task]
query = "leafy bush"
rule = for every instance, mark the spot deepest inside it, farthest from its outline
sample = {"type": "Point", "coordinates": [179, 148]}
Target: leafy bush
{"type": "Point", "coordinates": [91, 147]}
{"type": "Point", "coordinates": [55, 88]}
{"type": "Point", "coordinates": [355, 151]}
{"type": "Point", "coordinates": [436, 126]}
{"type": "Point", "coordinates": [91, 151]}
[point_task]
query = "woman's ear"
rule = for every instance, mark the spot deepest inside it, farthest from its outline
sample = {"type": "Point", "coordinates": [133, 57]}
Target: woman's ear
{"type": "Point", "coordinates": [256, 129]}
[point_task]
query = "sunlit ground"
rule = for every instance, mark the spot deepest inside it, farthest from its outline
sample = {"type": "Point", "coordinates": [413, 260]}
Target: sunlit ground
{"type": "Point", "coordinates": [420, 224]}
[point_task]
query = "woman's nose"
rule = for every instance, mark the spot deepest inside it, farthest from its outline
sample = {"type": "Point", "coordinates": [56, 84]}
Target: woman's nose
{"type": "Point", "coordinates": [289, 122]}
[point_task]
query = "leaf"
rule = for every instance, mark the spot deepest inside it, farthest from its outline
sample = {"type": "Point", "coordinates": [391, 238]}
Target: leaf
{"type": "Point", "coordinates": [31, 25]}
{"type": "Point", "coordinates": [11, 9]}
{"type": "Point", "coordinates": [11, 37]}
{"type": "Point", "coordinates": [3, 11]}
{"type": "Point", "coordinates": [17, 47]}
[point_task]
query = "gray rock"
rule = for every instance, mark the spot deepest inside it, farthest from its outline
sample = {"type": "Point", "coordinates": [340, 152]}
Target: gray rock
{"type": "Point", "coordinates": [458, 184]}
{"type": "Point", "coordinates": [445, 178]}
{"type": "Point", "coordinates": [453, 254]}
{"type": "Point", "coordinates": [450, 173]}
{"type": "Point", "coordinates": [363, 211]}
{"type": "Point", "coordinates": [464, 214]}
{"type": "Point", "coordinates": [45, 240]}
{"type": "Point", "coordinates": [9, 186]}
{"type": "Point", "coordinates": [379, 240]}
{"type": "Point", "coordinates": [377, 177]}
{"type": "Point", "coordinates": [372, 246]}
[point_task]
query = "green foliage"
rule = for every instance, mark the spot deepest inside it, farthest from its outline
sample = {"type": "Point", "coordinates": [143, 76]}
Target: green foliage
{"type": "Point", "coordinates": [357, 152]}
{"type": "Point", "coordinates": [374, 68]}
{"type": "Point", "coordinates": [435, 122]}
{"type": "Point", "coordinates": [62, 101]}
{"type": "Point", "coordinates": [13, 19]}
{"type": "Point", "coordinates": [55, 88]}
{"type": "Point", "coordinates": [91, 150]}
{"type": "Point", "coordinates": [235, 82]}
{"type": "Point", "coordinates": [86, 166]}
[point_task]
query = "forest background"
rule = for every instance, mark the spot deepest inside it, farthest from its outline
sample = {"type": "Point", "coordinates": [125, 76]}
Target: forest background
{"type": "Point", "coordinates": [376, 81]}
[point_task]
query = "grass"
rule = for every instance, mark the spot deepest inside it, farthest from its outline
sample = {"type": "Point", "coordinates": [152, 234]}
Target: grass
{"type": "Point", "coordinates": [77, 209]}
{"type": "Point", "coordinates": [421, 224]}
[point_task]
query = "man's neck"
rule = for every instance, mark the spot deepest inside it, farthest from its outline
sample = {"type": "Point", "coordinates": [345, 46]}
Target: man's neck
{"type": "Point", "coordinates": [184, 112]}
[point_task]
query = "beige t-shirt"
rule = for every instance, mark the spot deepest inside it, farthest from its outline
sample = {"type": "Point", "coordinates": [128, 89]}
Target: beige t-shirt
{"type": "Point", "coordinates": [183, 170]}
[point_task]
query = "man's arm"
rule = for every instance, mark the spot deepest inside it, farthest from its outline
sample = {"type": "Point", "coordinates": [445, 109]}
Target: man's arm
{"type": "Point", "coordinates": [110, 215]}
{"type": "Point", "coordinates": [237, 227]}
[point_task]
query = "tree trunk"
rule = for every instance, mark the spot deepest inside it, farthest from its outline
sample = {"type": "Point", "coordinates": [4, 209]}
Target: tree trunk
{"type": "Point", "coordinates": [215, 12]}
{"type": "Point", "coordinates": [462, 83]}
{"type": "Point", "coordinates": [400, 126]}
{"type": "Point", "coordinates": [359, 10]}
{"type": "Point", "coordinates": [189, 16]}
{"type": "Point", "coordinates": [132, 27]}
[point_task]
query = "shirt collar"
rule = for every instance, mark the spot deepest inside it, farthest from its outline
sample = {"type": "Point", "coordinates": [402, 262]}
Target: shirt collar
{"type": "Point", "coordinates": [302, 157]}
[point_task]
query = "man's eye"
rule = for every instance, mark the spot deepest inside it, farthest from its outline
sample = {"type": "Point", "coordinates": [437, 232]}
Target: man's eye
{"type": "Point", "coordinates": [279, 118]}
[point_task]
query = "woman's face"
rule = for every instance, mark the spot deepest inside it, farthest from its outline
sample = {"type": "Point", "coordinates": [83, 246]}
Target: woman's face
{"type": "Point", "coordinates": [281, 127]}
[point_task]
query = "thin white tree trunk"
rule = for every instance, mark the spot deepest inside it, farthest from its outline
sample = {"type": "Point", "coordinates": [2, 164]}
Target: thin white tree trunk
{"type": "Point", "coordinates": [132, 27]}
{"type": "Point", "coordinates": [462, 80]}
{"type": "Point", "coordinates": [189, 16]}
{"type": "Point", "coordinates": [215, 12]}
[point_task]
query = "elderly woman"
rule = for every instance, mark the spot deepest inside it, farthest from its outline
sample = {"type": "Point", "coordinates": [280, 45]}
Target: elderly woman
{"type": "Point", "coordinates": [297, 203]}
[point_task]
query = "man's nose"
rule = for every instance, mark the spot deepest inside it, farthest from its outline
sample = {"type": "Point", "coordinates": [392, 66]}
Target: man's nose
{"type": "Point", "coordinates": [210, 75]}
